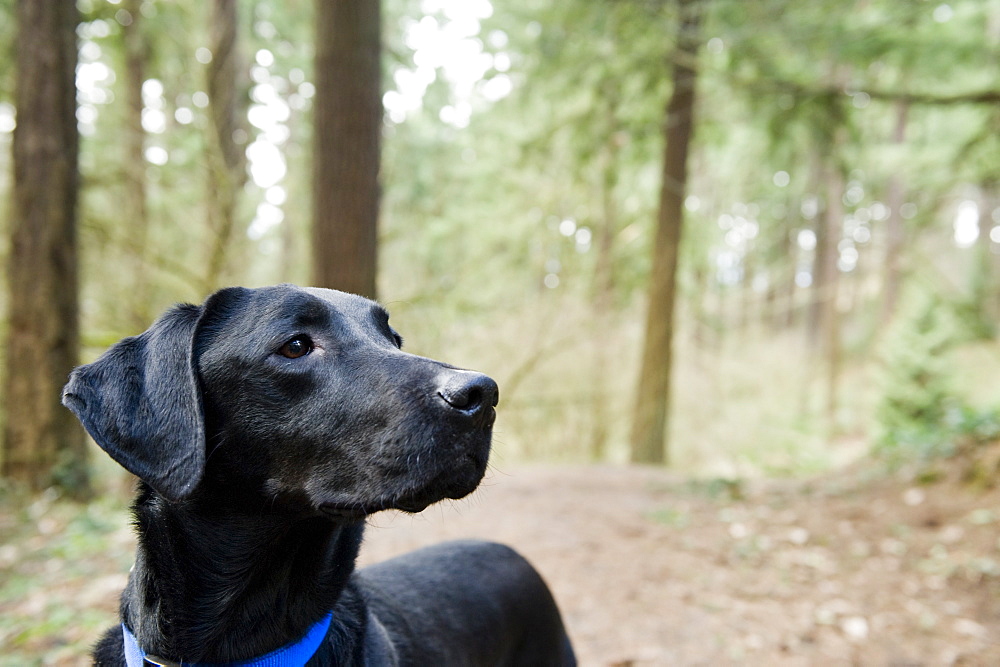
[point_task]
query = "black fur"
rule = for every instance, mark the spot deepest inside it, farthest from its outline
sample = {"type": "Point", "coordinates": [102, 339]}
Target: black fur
{"type": "Point", "coordinates": [258, 466]}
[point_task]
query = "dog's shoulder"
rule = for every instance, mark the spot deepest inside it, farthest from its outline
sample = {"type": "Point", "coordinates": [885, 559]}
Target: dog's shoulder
{"type": "Point", "coordinates": [353, 639]}
{"type": "Point", "coordinates": [110, 650]}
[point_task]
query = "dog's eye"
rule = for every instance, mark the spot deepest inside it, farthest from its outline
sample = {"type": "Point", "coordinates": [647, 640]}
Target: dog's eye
{"type": "Point", "coordinates": [297, 347]}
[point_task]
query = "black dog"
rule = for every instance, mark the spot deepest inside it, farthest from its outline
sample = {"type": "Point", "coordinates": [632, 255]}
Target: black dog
{"type": "Point", "coordinates": [265, 426]}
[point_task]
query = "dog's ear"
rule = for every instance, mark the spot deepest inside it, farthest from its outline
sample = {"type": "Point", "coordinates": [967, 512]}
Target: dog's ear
{"type": "Point", "coordinates": [141, 403]}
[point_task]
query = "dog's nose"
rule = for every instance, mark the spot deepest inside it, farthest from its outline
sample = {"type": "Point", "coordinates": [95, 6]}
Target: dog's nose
{"type": "Point", "coordinates": [473, 394]}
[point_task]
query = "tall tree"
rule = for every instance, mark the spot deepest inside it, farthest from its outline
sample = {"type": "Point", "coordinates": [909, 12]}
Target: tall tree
{"type": "Point", "coordinates": [828, 283]}
{"type": "Point", "coordinates": [227, 160]}
{"type": "Point", "coordinates": [604, 286]}
{"type": "Point", "coordinates": [649, 427]}
{"type": "Point", "coordinates": [895, 228]}
{"type": "Point", "coordinates": [136, 50]}
{"type": "Point", "coordinates": [42, 443]}
{"type": "Point", "coordinates": [346, 144]}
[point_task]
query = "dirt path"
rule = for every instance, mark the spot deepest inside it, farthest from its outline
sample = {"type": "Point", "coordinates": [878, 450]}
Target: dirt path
{"type": "Point", "coordinates": [648, 568]}
{"type": "Point", "coordinates": [651, 570]}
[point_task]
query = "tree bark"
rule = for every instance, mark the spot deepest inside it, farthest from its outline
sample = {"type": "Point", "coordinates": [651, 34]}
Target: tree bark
{"type": "Point", "coordinates": [895, 228]}
{"type": "Point", "coordinates": [982, 309]}
{"type": "Point", "coordinates": [136, 200]}
{"type": "Point", "coordinates": [227, 159]}
{"type": "Point", "coordinates": [833, 220]}
{"type": "Point", "coordinates": [43, 443]}
{"type": "Point", "coordinates": [649, 426]}
{"type": "Point", "coordinates": [604, 290]}
{"type": "Point", "coordinates": [818, 289]}
{"type": "Point", "coordinates": [347, 138]}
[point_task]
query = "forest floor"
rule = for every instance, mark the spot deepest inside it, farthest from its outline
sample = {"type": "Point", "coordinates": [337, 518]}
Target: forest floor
{"type": "Point", "coordinates": [649, 568]}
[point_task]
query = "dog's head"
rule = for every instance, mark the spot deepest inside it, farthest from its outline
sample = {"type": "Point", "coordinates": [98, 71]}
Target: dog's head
{"type": "Point", "coordinates": [299, 397]}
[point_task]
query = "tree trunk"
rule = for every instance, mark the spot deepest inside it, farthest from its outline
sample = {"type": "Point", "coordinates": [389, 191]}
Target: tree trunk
{"type": "Point", "coordinates": [792, 312]}
{"type": "Point", "coordinates": [227, 168]}
{"type": "Point", "coordinates": [895, 230]}
{"type": "Point", "coordinates": [783, 286]}
{"type": "Point", "coordinates": [818, 289]}
{"type": "Point", "coordinates": [136, 208]}
{"type": "Point", "coordinates": [347, 134]}
{"type": "Point", "coordinates": [604, 291]}
{"type": "Point", "coordinates": [833, 221]}
{"type": "Point", "coordinates": [982, 274]}
{"type": "Point", "coordinates": [649, 426]}
{"type": "Point", "coordinates": [43, 443]}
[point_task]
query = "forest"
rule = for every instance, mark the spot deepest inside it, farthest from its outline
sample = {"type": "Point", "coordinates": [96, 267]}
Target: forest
{"type": "Point", "coordinates": [711, 251]}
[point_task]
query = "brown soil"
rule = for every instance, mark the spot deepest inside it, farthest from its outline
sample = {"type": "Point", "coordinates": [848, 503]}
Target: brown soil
{"type": "Point", "coordinates": [648, 568]}
{"type": "Point", "coordinates": [652, 570]}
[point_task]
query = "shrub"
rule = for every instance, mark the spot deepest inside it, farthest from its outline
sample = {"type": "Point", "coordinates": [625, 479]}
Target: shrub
{"type": "Point", "coordinates": [918, 406]}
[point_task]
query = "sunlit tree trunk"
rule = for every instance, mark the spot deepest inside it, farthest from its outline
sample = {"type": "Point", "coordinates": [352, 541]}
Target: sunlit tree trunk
{"type": "Point", "coordinates": [652, 402]}
{"type": "Point", "coordinates": [43, 444]}
{"type": "Point", "coordinates": [895, 229]}
{"type": "Point", "coordinates": [833, 221]}
{"type": "Point", "coordinates": [604, 289]}
{"type": "Point", "coordinates": [346, 145]}
{"type": "Point", "coordinates": [136, 207]}
{"type": "Point", "coordinates": [748, 300]}
{"type": "Point", "coordinates": [983, 288]}
{"type": "Point", "coordinates": [783, 285]}
{"type": "Point", "coordinates": [227, 159]}
{"type": "Point", "coordinates": [818, 289]}
{"type": "Point", "coordinates": [987, 223]}
{"type": "Point", "coordinates": [823, 328]}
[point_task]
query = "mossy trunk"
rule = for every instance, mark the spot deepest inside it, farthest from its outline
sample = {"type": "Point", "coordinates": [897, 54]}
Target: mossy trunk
{"type": "Point", "coordinates": [652, 404]}
{"type": "Point", "coordinates": [346, 145]}
{"type": "Point", "coordinates": [43, 444]}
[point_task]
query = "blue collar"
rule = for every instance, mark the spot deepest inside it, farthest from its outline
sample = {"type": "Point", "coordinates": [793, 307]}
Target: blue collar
{"type": "Point", "coordinates": [295, 654]}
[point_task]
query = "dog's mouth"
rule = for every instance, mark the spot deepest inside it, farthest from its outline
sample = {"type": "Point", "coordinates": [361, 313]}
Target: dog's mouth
{"type": "Point", "coordinates": [455, 483]}
{"type": "Point", "coordinates": [411, 503]}
{"type": "Point", "coordinates": [339, 512]}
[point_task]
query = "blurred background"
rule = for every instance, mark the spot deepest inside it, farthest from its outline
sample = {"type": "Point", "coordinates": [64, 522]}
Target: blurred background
{"type": "Point", "coordinates": [742, 239]}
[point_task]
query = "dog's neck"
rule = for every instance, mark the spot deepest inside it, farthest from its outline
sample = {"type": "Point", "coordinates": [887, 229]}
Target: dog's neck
{"type": "Point", "coordinates": [212, 574]}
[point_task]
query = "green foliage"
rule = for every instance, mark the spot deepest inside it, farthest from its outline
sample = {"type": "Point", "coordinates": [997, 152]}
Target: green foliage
{"type": "Point", "coordinates": [519, 243]}
{"type": "Point", "coordinates": [48, 541]}
{"type": "Point", "coordinates": [921, 413]}
{"type": "Point", "coordinates": [917, 395]}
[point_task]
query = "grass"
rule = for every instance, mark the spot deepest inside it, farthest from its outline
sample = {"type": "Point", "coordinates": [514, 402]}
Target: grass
{"type": "Point", "coordinates": [81, 552]}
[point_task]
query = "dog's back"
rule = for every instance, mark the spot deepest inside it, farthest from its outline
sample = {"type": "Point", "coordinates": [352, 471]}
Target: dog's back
{"type": "Point", "coordinates": [466, 603]}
